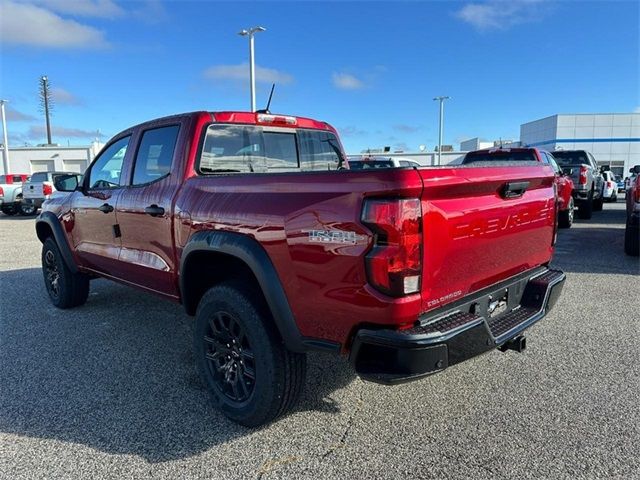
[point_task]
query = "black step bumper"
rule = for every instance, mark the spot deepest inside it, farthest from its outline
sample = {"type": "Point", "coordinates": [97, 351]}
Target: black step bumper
{"type": "Point", "coordinates": [456, 332]}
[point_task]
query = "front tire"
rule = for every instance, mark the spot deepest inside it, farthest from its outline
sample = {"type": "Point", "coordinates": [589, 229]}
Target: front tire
{"type": "Point", "coordinates": [65, 288]}
{"type": "Point", "coordinates": [250, 375]}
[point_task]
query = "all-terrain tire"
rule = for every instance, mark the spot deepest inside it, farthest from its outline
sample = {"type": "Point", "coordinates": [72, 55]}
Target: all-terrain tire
{"type": "Point", "coordinates": [65, 288]}
{"type": "Point", "coordinates": [250, 375]}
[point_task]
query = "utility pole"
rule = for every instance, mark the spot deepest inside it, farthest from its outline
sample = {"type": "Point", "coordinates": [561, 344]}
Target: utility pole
{"type": "Point", "coordinates": [5, 145]}
{"type": "Point", "coordinates": [440, 127]}
{"type": "Point", "coordinates": [252, 62]}
{"type": "Point", "coordinates": [45, 97]}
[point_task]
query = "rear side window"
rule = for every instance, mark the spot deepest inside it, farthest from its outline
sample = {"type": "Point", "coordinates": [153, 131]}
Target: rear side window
{"type": "Point", "coordinates": [502, 155]}
{"type": "Point", "coordinates": [319, 150]}
{"type": "Point", "coordinates": [155, 154]}
{"type": "Point", "coordinates": [39, 177]}
{"type": "Point", "coordinates": [255, 149]}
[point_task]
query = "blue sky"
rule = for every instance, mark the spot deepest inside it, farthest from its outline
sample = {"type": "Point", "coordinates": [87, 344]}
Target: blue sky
{"type": "Point", "coordinates": [369, 68]}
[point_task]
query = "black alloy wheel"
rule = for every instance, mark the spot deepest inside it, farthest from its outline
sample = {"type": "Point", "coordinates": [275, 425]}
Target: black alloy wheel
{"type": "Point", "coordinates": [52, 274]}
{"type": "Point", "coordinates": [230, 359]}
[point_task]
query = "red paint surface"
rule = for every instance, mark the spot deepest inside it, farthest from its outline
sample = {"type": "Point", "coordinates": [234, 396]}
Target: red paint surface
{"type": "Point", "coordinates": [472, 237]}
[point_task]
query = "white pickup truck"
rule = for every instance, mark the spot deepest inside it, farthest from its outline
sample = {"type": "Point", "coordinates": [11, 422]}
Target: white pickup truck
{"type": "Point", "coordinates": [11, 192]}
{"type": "Point", "coordinates": [36, 190]}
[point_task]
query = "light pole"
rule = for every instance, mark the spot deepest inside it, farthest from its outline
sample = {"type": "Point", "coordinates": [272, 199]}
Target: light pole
{"type": "Point", "coordinates": [441, 100]}
{"type": "Point", "coordinates": [252, 62]}
{"type": "Point", "coordinates": [5, 146]}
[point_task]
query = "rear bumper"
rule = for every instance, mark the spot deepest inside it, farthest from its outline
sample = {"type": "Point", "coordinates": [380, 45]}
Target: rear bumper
{"type": "Point", "coordinates": [455, 334]}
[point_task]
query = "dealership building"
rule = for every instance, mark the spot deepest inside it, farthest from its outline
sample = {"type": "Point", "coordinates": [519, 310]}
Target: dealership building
{"type": "Point", "coordinates": [612, 138]}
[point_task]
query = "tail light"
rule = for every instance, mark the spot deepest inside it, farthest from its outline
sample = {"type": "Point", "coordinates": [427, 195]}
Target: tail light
{"type": "Point", "coordinates": [609, 184]}
{"type": "Point", "coordinates": [1, 192]}
{"type": "Point", "coordinates": [555, 215]}
{"type": "Point", "coordinates": [394, 264]}
{"type": "Point", "coordinates": [637, 191]}
{"type": "Point", "coordinates": [583, 176]}
{"type": "Point", "coordinates": [47, 189]}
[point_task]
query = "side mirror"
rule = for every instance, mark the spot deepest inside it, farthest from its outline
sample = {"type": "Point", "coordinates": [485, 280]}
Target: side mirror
{"type": "Point", "coordinates": [68, 183]}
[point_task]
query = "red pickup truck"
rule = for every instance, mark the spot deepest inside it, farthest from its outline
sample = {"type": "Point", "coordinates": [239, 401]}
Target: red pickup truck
{"type": "Point", "coordinates": [255, 224]}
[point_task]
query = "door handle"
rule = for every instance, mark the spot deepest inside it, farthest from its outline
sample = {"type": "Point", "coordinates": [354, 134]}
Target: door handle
{"type": "Point", "coordinates": [154, 210]}
{"type": "Point", "coordinates": [105, 208]}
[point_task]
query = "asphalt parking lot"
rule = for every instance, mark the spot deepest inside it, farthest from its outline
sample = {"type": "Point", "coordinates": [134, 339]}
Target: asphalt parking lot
{"type": "Point", "coordinates": [108, 390]}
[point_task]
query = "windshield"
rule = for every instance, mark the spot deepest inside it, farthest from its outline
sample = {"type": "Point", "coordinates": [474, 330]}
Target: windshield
{"type": "Point", "coordinates": [502, 155]}
{"type": "Point", "coordinates": [360, 165]}
{"type": "Point", "coordinates": [571, 158]}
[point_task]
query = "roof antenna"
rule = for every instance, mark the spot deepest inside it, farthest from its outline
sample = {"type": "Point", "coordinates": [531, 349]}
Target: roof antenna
{"type": "Point", "coordinates": [266, 110]}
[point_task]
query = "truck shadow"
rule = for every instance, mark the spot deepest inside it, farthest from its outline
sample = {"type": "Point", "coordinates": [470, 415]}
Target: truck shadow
{"type": "Point", "coordinates": [117, 374]}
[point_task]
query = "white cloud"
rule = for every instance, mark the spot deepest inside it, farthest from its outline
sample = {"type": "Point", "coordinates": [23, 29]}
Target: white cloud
{"type": "Point", "coordinates": [501, 14]}
{"type": "Point", "coordinates": [351, 131]}
{"type": "Point", "coordinates": [404, 128]}
{"type": "Point", "coordinates": [63, 97]}
{"type": "Point", "coordinates": [37, 132]}
{"type": "Point", "coordinates": [83, 8]}
{"type": "Point", "coordinates": [241, 73]}
{"type": "Point", "coordinates": [345, 81]}
{"type": "Point", "coordinates": [23, 24]}
{"type": "Point", "coordinates": [17, 116]}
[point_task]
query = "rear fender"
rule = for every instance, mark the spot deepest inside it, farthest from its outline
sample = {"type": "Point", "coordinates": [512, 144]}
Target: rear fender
{"type": "Point", "coordinates": [251, 253]}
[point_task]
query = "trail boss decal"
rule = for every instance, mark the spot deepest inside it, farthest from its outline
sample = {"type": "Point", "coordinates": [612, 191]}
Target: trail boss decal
{"type": "Point", "coordinates": [333, 236]}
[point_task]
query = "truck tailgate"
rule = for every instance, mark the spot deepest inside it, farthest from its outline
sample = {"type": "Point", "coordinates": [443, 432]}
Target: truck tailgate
{"type": "Point", "coordinates": [475, 235]}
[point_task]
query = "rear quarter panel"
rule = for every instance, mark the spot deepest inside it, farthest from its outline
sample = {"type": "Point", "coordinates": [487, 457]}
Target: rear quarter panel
{"type": "Point", "coordinates": [325, 283]}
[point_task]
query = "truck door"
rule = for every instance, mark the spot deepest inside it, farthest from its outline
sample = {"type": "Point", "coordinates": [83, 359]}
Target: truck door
{"type": "Point", "coordinates": [144, 211]}
{"type": "Point", "coordinates": [94, 230]}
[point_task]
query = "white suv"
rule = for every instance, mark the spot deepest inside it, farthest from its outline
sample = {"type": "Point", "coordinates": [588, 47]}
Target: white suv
{"type": "Point", "coordinates": [610, 189]}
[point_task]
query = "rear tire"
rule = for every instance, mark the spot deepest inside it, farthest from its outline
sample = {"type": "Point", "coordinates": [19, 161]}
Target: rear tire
{"type": "Point", "coordinates": [585, 209]}
{"type": "Point", "coordinates": [10, 211]}
{"type": "Point", "coordinates": [632, 239]}
{"type": "Point", "coordinates": [565, 217]}
{"type": "Point", "coordinates": [28, 209]}
{"type": "Point", "coordinates": [250, 375]}
{"type": "Point", "coordinates": [65, 288]}
{"type": "Point", "coordinates": [597, 204]}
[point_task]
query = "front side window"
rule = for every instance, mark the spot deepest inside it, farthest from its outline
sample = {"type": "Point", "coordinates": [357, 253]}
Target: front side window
{"type": "Point", "coordinates": [105, 172]}
{"type": "Point", "coordinates": [155, 154]}
{"type": "Point", "coordinates": [553, 163]}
